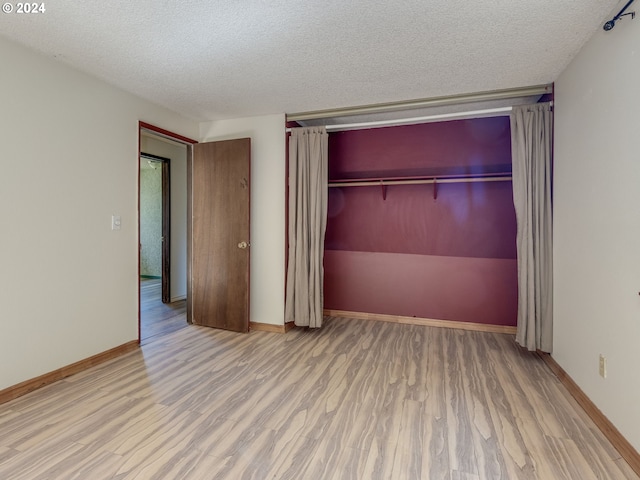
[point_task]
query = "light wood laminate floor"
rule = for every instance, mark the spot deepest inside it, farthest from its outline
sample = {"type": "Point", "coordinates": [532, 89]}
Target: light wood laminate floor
{"type": "Point", "coordinates": [354, 400]}
{"type": "Point", "coordinates": [157, 318]}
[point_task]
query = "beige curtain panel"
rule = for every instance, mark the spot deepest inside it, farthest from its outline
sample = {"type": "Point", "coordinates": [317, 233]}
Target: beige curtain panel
{"type": "Point", "coordinates": [531, 144]}
{"type": "Point", "coordinates": [308, 191]}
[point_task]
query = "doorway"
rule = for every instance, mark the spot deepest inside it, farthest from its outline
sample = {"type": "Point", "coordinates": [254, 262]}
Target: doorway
{"type": "Point", "coordinates": [155, 221]}
{"type": "Point", "coordinates": [216, 260]}
{"type": "Point", "coordinates": [162, 231]}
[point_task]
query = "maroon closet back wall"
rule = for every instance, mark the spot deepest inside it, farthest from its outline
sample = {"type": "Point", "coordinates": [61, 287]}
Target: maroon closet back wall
{"type": "Point", "coordinates": [450, 258]}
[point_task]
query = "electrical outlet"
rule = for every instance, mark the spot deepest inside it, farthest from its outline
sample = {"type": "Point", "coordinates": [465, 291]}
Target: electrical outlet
{"type": "Point", "coordinates": [603, 366]}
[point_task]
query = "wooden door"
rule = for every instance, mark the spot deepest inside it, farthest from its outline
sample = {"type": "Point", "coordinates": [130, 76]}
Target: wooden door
{"type": "Point", "coordinates": [218, 291]}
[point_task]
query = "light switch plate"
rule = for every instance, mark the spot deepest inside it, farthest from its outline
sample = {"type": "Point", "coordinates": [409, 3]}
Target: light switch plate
{"type": "Point", "coordinates": [603, 366]}
{"type": "Point", "coordinates": [116, 222]}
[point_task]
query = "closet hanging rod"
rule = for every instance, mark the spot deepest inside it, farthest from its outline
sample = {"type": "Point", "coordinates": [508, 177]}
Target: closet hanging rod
{"type": "Point", "coordinates": [369, 182]}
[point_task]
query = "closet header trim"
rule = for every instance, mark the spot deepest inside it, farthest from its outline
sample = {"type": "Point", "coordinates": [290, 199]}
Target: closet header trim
{"type": "Point", "coordinates": [422, 103]}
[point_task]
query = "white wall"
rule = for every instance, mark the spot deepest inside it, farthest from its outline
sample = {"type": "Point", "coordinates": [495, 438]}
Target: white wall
{"type": "Point", "coordinates": [267, 135]}
{"type": "Point", "coordinates": [177, 153]}
{"type": "Point", "coordinates": [69, 143]}
{"type": "Point", "coordinates": [597, 223]}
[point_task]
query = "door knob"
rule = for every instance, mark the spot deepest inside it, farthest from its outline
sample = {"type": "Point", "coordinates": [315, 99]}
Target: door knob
{"type": "Point", "coordinates": [243, 245]}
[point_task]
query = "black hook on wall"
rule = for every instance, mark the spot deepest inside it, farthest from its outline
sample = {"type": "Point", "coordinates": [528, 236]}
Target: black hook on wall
{"type": "Point", "coordinates": [612, 23]}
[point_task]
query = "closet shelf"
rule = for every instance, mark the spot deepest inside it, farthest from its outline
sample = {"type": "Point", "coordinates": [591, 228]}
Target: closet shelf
{"type": "Point", "coordinates": [384, 182]}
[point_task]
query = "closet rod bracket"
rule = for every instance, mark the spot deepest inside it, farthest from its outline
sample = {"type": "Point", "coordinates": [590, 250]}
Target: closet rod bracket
{"type": "Point", "coordinates": [384, 190]}
{"type": "Point", "coordinates": [435, 188]}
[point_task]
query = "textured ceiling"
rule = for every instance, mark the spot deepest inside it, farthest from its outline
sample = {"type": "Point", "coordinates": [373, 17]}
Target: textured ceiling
{"type": "Point", "coordinates": [213, 59]}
